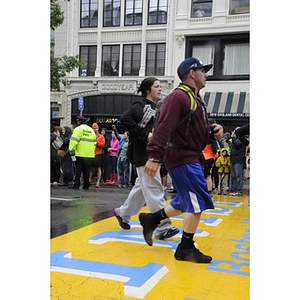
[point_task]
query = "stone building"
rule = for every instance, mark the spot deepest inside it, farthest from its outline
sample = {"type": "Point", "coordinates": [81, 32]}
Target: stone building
{"type": "Point", "coordinates": [123, 41]}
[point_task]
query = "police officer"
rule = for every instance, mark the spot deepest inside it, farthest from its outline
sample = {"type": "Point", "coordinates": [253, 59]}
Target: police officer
{"type": "Point", "coordinates": [83, 142]}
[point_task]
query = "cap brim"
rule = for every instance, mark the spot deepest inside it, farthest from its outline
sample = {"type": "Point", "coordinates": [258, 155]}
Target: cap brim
{"type": "Point", "coordinates": [207, 67]}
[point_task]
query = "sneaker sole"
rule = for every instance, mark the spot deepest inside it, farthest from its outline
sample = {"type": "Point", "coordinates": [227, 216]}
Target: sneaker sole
{"type": "Point", "coordinates": [190, 259]}
{"type": "Point", "coordinates": [170, 233]}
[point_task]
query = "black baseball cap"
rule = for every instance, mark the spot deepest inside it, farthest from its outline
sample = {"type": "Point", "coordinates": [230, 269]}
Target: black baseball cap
{"type": "Point", "coordinates": [82, 118]}
{"type": "Point", "coordinates": [191, 63]}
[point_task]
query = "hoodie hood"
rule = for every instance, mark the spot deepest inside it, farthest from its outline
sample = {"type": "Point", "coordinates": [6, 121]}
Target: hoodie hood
{"type": "Point", "coordinates": [224, 149]}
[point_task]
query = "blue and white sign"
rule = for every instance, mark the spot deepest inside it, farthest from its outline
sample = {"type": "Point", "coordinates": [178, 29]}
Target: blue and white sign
{"type": "Point", "coordinates": [80, 103]}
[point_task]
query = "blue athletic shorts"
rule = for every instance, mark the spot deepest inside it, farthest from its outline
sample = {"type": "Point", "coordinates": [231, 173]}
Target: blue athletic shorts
{"type": "Point", "coordinates": [190, 184]}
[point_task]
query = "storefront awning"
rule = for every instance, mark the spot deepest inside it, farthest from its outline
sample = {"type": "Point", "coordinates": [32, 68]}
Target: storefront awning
{"type": "Point", "coordinates": [222, 104]}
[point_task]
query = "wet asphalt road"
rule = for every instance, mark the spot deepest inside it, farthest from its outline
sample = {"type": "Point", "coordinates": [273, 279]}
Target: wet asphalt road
{"type": "Point", "coordinates": [73, 209]}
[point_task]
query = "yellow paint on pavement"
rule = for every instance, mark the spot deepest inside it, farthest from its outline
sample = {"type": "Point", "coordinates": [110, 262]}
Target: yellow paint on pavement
{"type": "Point", "coordinates": [102, 261]}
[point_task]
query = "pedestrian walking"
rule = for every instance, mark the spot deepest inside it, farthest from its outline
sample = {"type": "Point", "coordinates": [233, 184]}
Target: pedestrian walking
{"type": "Point", "coordinates": [181, 134]}
{"type": "Point", "coordinates": [139, 121]}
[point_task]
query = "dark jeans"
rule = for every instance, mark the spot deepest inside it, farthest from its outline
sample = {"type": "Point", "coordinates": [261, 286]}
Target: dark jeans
{"type": "Point", "coordinates": [236, 173]}
{"type": "Point", "coordinates": [123, 168]}
{"type": "Point", "coordinates": [67, 168]}
{"type": "Point", "coordinates": [83, 164]}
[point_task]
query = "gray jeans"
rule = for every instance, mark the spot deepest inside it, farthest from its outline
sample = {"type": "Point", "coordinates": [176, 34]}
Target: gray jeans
{"type": "Point", "coordinates": [146, 190]}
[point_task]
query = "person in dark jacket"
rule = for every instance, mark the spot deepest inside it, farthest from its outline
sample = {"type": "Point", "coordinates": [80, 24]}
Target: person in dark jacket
{"type": "Point", "coordinates": [66, 160]}
{"type": "Point", "coordinates": [185, 138]}
{"type": "Point", "coordinates": [139, 121]}
{"type": "Point", "coordinates": [237, 159]}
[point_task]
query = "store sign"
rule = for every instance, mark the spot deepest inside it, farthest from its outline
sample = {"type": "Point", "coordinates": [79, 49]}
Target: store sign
{"type": "Point", "coordinates": [114, 87]}
{"type": "Point", "coordinates": [243, 115]}
{"type": "Point", "coordinates": [108, 120]}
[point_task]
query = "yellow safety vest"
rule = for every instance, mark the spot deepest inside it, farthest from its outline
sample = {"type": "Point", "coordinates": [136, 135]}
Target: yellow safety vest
{"type": "Point", "coordinates": [83, 141]}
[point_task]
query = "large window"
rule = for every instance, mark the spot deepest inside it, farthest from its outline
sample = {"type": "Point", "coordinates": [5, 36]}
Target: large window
{"type": "Point", "coordinates": [111, 13]}
{"type": "Point", "coordinates": [155, 64]}
{"type": "Point", "coordinates": [89, 13]}
{"type": "Point", "coordinates": [133, 12]}
{"type": "Point", "coordinates": [110, 60]}
{"type": "Point", "coordinates": [236, 59]}
{"type": "Point", "coordinates": [229, 54]}
{"type": "Point", "coordinates": [239, 7]}
{"type": "Point", "coordinates": [201, 8]}
{"type": "Point", "coordinates": [157, 11]}
{"type": "Point", "coordinates": [89, 55]}
{"type": "Point", "coordinates": [131, 60]}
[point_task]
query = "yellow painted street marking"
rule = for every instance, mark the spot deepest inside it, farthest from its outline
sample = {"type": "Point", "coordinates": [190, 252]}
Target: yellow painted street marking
{"type": "Point", "coordinates": [102, 261]}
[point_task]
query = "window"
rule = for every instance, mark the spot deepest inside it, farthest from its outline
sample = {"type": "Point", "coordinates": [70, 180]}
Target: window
{"type": "Point", "coordinates": [205, 54]}
{"type": "Point", "coordinates": [239, 7]}
{"type": "Point", "coordinates": [157, 11]}
{"type": "Point", "coordinates": [110, 60]}
{"type": "Point", "coordinates": [131, 60]}
{"type": "Point", "coordinates": [89, 13]}
{"type": "Point", "coordinates": [89, 55]}
{"type": "Point", "coordinates": [201, 8]}
{"type": "Point", "coordinates": [111, 13]}
{"type": "Point", "coordinates": [133, 12]}
{"type": "Point", "coordinates": [155, 64]}
{"type": "Point", "coordinates": [236, 59]}
{"type": "Point", "coordinates": [229, 54]}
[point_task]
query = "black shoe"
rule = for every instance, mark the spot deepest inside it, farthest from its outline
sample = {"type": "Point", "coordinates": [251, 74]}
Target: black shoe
{"type": "Point", "coordinates": [122, 224]}
{"type": "Point", "coordinates": [168, 234]}
{"type": "Point", "coordinates": [171, 190]}
{"type": "Point", "coordinates": [148, 227]}
{"type": "Point", "coordinates": [191, 253]}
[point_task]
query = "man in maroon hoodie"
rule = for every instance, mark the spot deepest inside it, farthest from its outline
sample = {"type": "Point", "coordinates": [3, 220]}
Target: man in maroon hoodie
{"type": "Point", "coordinates": [181, 135]}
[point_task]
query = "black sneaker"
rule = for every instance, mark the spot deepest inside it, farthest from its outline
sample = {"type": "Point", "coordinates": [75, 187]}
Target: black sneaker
{"type": "Point", "coordinates": [148, 227]}
{"type": "Point", "coordinates": [192, 254]}
{"type": "Point", "coordinates": [122, 224]}
{"type": "Point", "coordinates": [168, 234]}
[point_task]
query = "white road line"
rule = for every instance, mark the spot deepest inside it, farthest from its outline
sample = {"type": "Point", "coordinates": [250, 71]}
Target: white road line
{"type": "Point", "coordinates": [63, 199]}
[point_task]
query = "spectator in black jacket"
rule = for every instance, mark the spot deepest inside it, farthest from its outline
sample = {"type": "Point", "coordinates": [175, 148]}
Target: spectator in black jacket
{"type": "Point", "coordinates": [237, 159]}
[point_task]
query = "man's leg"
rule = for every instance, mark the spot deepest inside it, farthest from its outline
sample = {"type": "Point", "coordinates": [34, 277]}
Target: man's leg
{"type": "Point", "coordinates": [153, 192]}
{"type": "Point", "coordinates": [79, 165]}
{"type": "Point", "coordinates": [186, 179]}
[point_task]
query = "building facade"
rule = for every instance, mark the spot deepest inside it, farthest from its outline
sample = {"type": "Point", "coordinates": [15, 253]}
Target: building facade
{"type": "Point", "coordinates": [123, 41]}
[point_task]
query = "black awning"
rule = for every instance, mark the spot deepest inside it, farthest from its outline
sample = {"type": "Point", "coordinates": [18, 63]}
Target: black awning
{"type": "Point", "coordinates": [227, 104]}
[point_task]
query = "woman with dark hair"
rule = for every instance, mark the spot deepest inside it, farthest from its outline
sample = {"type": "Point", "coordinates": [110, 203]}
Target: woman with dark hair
{"type": "Point", "coordinates": [139, 121]}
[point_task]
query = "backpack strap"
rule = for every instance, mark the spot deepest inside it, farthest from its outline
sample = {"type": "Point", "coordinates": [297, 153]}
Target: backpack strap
{"type": "Point", "coordinates": [191, 94]}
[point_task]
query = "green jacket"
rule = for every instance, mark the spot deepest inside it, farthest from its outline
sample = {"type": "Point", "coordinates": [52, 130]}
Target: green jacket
{"type": "Point", "coordinates": [83, 141]}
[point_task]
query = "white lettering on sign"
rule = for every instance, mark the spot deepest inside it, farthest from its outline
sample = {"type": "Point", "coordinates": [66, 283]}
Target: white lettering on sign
{"type": "Point", "coordinates": [118, 87]}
